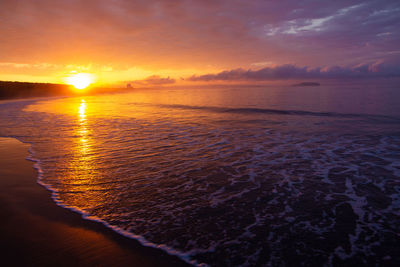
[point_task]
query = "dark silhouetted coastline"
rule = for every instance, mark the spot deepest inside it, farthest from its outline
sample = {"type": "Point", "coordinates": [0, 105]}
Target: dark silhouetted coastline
{"type": "Point", "coordinates": [13, 90]}
{"type": "Point", "coordinates": [26, 89]}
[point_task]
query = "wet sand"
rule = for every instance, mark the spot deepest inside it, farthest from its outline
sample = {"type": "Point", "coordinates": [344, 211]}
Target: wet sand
{"type": "Point", "coordinates": [37, 232]}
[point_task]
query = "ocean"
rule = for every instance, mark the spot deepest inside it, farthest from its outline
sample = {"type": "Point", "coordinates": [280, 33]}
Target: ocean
{"type": "Point", "coordinates": [228, 176]}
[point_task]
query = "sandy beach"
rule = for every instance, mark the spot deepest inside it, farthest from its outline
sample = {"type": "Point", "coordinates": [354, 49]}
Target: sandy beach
{"type": "Point", "coordinates": [37, 232]}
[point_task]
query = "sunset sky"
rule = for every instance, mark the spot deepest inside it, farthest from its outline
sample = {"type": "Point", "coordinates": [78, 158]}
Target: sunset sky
{"type": "Point", "coordinates": [204, 40]}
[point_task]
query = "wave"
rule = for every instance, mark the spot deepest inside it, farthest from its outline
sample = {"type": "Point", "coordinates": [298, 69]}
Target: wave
{"type": "Point", "coordinates": [55, 197]}
{"type": "Point", "coordinates": [247, 110]}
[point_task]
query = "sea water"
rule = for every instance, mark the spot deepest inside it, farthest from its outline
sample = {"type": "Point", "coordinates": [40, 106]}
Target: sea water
{"type": "Point", "coordinates": [228, 176]}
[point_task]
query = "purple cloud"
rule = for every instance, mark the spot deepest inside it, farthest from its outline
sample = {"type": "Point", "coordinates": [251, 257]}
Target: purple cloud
{"type": "Point", "coordinates": [154, 80]}
{"type": "Point", "coordinates": [283, 72]}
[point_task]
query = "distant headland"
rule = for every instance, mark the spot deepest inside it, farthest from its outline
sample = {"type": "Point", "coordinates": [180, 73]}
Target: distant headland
{"type": "Point", "coordinates": [9, 90]}
{"type": "Point", "coordinates": [26, 89]}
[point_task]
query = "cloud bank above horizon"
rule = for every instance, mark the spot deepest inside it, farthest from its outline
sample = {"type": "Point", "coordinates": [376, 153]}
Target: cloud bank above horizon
{"type": "Point", "coordinates": [135, 39]}
{"type": "Point", "coordinates": [288, 71]}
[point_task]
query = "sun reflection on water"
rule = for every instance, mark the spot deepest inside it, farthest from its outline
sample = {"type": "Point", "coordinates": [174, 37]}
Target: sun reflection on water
{"type": "Point", "coordinates": [83, 132]}
{"type": "Point", "coordinates": [82, 110]}
{"type": "Point", "coordinates": [82, 168]}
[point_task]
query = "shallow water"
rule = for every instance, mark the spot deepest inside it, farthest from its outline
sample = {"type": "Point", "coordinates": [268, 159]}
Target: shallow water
{"type": "Point", "coordinates": [228, 176]}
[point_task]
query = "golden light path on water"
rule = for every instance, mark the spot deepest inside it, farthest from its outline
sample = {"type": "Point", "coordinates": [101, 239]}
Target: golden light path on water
{"type": "Point", "coordinates": [82, 167]}
{"type": "Point", "coordinates": [83, 131]}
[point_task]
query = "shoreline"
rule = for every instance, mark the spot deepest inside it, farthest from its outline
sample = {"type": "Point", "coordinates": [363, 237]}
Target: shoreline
{"type": "Point", "coordinates": [37, 231]}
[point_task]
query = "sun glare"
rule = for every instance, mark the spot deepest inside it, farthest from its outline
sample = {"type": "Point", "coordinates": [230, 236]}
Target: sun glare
{"type": "Point", "coordinates": [80, 80]}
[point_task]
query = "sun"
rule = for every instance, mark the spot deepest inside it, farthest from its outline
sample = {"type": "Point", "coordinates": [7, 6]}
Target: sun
{"type": "Point", "coordinates": [80, 80]}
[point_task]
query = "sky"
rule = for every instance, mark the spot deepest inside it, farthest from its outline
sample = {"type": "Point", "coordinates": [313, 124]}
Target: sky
{"type": "Point", "coordinates": [193, 41]}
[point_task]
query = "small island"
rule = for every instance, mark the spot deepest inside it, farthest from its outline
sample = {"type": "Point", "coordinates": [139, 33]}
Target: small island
{"type": "Point", "coordinates": [307, 84]}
